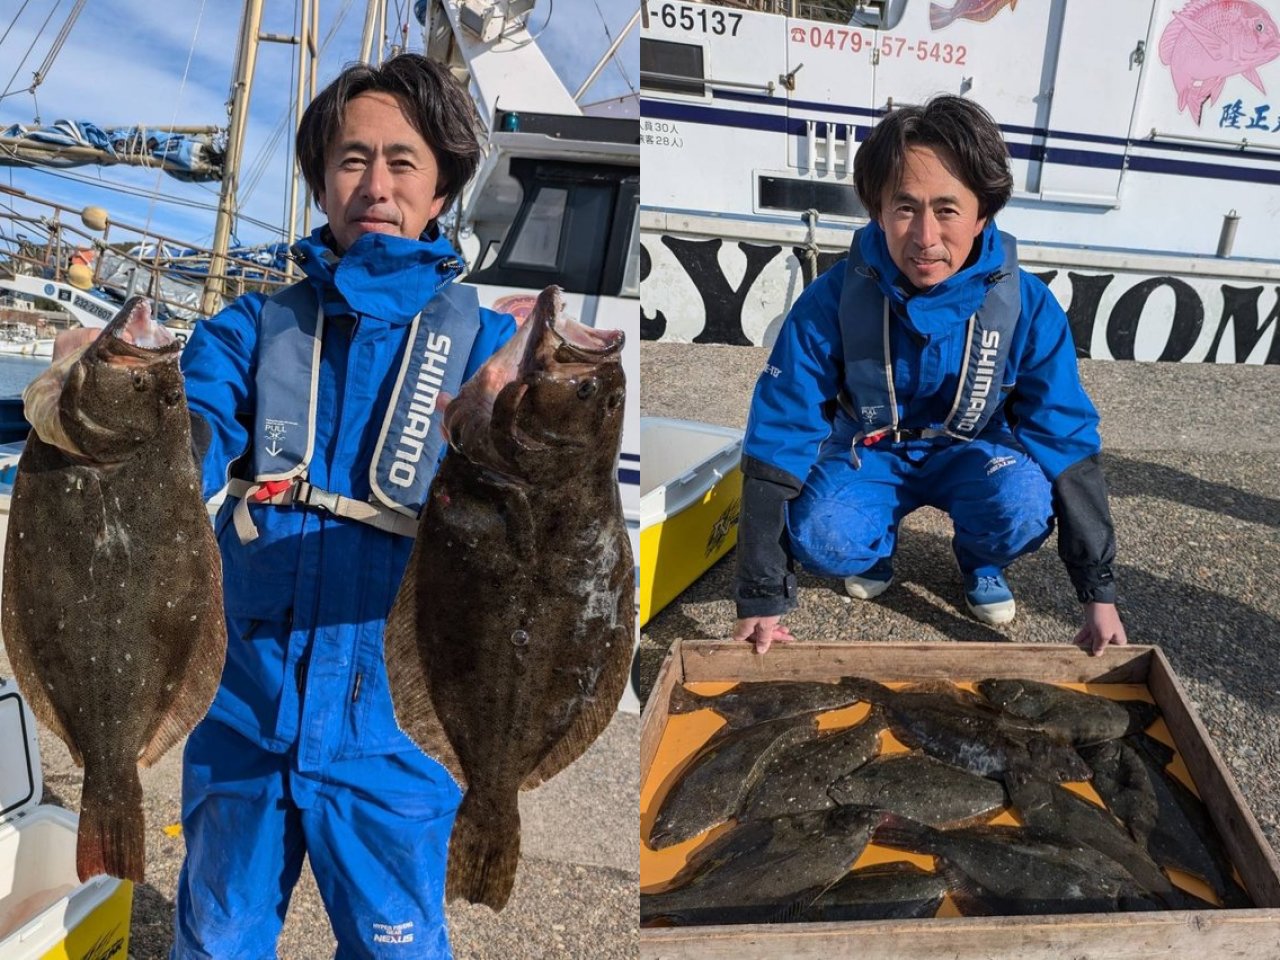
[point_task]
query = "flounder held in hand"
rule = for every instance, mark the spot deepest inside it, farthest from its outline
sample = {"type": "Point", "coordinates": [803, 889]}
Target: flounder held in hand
{"type": "Point", "coordinates": [112, 608]}
{"type": "Point", "coordinates": [508, 645]}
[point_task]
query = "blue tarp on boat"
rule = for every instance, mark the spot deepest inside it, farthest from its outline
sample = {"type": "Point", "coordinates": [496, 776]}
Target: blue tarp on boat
{"type": "Point", "coordinates": [190, 157]}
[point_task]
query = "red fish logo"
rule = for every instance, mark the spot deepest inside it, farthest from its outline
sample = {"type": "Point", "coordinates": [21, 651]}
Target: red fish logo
{"type": "Point", "coordinates": [979, 10]}
{"type": "Point", "coordinates": [1208, 41]}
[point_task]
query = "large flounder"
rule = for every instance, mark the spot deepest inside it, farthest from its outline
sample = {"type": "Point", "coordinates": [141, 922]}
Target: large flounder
{"type": "Point", "coordinates": [112, 605]}
{"type": "Point", "coordinates": [509, 642]}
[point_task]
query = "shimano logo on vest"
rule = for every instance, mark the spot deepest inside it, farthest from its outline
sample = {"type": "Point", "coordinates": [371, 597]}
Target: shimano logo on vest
{"type": "Point", "coordinates": [981, 381]}
{"type": "Point", "coordinates": [417, 421]}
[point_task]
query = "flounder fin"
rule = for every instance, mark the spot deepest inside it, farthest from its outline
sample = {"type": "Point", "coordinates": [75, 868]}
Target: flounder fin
{"type": "Point", "coordinates": [410, 689]}
{"type": "Point", "coordinates": [596, 715]}
{"type": "Point", "coordinates": [203, 673]}
{"type": "Point", "coordinates": [484, 852]}
{"type": "Point", "coordinates": [686, 701]}
{"type": "Point", "coordinates": [24, 670]}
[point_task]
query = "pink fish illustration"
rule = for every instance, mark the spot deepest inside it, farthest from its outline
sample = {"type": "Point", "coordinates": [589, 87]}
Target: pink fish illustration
{"type": "Point", "coordinates": [1208, 41]}
{"type": "Point", "coordinates": [980, 10]}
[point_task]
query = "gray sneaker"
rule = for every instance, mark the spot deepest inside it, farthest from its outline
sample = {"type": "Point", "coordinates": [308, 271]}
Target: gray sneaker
{"type": "Point", "coordinates": [872, 582]}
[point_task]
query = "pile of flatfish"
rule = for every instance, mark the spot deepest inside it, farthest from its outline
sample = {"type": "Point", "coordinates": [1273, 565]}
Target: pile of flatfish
{"type": "Point", "coordinates": [112, 582]}
{"type": "Point", "coordinates": [802, 804]}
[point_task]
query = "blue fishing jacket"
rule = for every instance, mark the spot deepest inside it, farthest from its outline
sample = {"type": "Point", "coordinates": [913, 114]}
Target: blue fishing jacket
{"type": "Point", "coordinates": [1040, 395]}
{"type": "Point", "coordinates": [307, 601]}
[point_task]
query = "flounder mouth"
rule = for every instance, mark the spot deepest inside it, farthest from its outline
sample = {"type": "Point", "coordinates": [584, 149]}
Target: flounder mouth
{"type": "Point", "coordinates": [135, 330]}
{"type": "Point", "coordinates": [588, 340]}
{"type": "Point", "coordinates": [553, 336]}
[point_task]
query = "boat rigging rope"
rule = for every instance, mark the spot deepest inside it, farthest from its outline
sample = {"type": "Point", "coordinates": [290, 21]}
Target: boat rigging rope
{"type": "Point", "coordinates": [16, 70]}
{"type": "Point", "coordinates": [14, 22]}
{"type": "Point", "coordinates": [173, 120]}
{"type": "Point", "coordinates": [58, 41]}
{"type": "Point", "coordinates": [604, 23]}
{"type": "Point", "coordinates": [551, 9]}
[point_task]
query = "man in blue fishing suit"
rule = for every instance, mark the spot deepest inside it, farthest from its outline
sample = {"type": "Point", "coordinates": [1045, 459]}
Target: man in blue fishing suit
{"type": "Point", "coordinates": [320, 404]}
{"type": "Point", "coordinates": [926, 369]}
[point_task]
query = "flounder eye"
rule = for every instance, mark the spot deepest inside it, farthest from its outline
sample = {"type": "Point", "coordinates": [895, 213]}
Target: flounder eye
{"type": "Point", "coordinates": [172, 397]}
{"type": "Point", "coordinates": [139, 381]}
{"type": "Point", "coordinates": [614, 400]}
{"type": "Point", "coordinates": [588, 389]}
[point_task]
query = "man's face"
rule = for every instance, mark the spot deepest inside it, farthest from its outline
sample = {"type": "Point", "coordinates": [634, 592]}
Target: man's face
{"type": "Point", "coordinates": [930, 220]}
{"type": "Point", "coordinates": [380, 176]}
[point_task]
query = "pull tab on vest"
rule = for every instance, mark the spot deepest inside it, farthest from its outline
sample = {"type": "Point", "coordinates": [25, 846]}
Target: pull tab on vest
{"type": "Point", "coordinates": [410, 444]}
{"type": "Point", "coordinates": [868, 361]}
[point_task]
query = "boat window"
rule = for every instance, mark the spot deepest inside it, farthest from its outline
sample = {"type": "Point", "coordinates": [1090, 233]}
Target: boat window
{"type": "Point", "coordinates": [572, 229]}
{"type": "Point", "coordinates": [631, 276]}
{"type": "Point", "coordinates": [832, 199]}
{"type": "Point", "coordinates": [538, 242]}
{"type": "Point", "coordinates": [665, 65]}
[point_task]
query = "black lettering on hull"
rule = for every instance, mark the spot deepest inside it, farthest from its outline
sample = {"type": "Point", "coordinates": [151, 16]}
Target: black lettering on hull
{"type": "Point", "coordinates": [722, 319]}
{"type": "Point", "coordinates": [722, 303]}
{"type": "Point", "coordinates": [1188, 318]}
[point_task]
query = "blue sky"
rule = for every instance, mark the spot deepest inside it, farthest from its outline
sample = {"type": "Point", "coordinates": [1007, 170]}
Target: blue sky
{"type": "Point", "coordinates": [130, 62]}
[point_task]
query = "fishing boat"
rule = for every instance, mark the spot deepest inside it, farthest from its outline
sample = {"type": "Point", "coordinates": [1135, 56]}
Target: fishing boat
{"type": "Point", "coordinates": [1145, 154]}
{"type": "Point", "coordinates": [22, 340]}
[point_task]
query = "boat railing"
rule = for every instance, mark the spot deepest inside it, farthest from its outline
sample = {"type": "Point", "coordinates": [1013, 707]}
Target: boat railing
{"type": "Point", "coordinates": [88, 249]}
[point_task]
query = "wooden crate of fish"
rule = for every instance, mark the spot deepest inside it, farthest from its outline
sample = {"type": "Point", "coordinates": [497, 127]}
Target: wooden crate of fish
{"type": "Point", "coordinates": [941, 800]}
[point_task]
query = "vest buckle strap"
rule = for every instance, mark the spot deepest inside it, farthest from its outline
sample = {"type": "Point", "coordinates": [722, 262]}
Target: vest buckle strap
{"type": "Point", "coordinates": [324, 500]}
{"type": "Point", "coordinates": [300, 492]}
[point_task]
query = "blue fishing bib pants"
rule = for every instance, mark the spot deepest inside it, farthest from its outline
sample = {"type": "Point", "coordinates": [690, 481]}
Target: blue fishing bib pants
{"type": "Point", "coordinates": [846, 517]}
{"type": "Point", "coordinates": [375, 829]}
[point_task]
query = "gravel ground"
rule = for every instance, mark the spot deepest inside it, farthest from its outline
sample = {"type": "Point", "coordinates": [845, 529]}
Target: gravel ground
{"type": "Point", "coordinates": [1192, 456]}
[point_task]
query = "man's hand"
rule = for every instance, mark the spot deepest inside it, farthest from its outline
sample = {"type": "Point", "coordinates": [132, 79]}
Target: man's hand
{"type": "Point", "coordinates": [69, 341]}
{"type": "Point", "coordinates": [1102, 626]}
{"type": "Point", "coordinates": [764, 632]}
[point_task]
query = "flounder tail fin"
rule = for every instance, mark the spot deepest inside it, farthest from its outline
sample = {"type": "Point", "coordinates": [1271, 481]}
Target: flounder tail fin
{"type": "Point", "coordinates": [484, 851]}
{"type": "Point", "coordinates": [112, 838]}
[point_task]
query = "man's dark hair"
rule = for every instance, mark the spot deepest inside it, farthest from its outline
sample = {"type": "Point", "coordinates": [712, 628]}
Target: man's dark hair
{"type": "Point", "coordinates": [958, 127]}
{"type": "Point", "coordinates": [436, 105]}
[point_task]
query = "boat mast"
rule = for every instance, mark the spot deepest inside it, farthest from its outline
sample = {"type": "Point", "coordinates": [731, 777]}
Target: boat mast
{"type": "Point", "coordinates": [304, 91]}
{"type": "Point", "coordinates": [370, 43]}
{"type": "Point", "coordinates": [246, 59]}
{"type": "Point", "coordinates": [311, 93]}
{"type": "Point", "coordinates": [246, 62]}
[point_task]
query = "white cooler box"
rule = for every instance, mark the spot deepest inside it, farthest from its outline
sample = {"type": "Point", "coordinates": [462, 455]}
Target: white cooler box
{"type": "Point", "coordinates": [46, 913]}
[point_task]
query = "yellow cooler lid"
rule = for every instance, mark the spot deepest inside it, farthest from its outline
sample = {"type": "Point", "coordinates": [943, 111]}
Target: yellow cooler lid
{"type": "Point", "coordinates": [21, 785]}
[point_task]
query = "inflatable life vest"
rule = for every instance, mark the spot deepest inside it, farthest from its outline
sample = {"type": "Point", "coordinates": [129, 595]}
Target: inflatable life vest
{"type": "Point", "coordinates": [290, 333]}
{"type": "Point", "coordinates": [868, 394]}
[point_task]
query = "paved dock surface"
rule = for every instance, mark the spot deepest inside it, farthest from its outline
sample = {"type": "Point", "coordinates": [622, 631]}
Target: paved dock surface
{"type": "Point", "coordinates": [1192, 457]}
